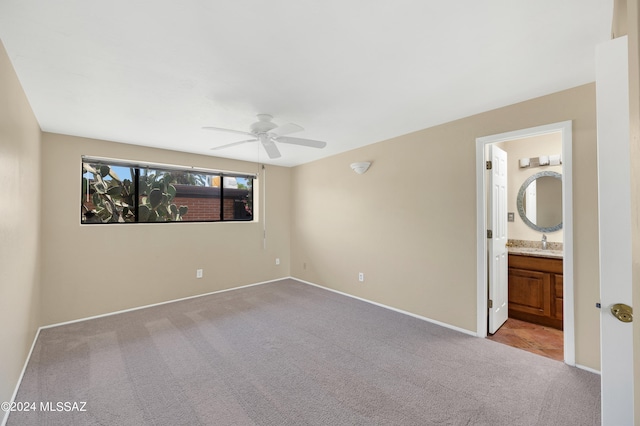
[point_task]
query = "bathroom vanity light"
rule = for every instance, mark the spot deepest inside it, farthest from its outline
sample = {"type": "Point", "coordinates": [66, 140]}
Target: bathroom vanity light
{"type": "Point", "coordinates": [543, 160]}
{"type": "Point", "coordinates": [360, 167]}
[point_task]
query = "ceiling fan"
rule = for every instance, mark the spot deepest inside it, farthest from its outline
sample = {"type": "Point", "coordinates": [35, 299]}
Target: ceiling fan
{"type": "Point", "coordinates": [268, 133]}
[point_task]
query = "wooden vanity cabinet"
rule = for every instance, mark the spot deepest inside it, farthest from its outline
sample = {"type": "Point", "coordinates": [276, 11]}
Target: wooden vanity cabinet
{"type": "Point", "coordinates": [535, 290]}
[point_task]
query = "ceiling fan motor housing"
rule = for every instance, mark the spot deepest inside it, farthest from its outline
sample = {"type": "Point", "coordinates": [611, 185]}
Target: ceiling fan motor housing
{"type": "Point", "coordinates": [264, 125]}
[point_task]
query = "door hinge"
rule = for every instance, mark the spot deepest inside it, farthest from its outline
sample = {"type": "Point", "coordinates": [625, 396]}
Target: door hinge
{"type": "Point", "coordinates": [489, 233]}
{"type": "Point", "coordinates": [490, 304]}
{"type": "Point", "coordinates": [489, 165]}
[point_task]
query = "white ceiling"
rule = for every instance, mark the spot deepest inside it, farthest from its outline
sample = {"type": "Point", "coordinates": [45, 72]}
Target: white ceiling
{"type": "Point", "coordinates": [351, 72]}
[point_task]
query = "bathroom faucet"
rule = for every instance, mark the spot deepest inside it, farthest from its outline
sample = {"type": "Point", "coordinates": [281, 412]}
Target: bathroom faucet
{"type": "Point", "coordinates": [544, 242]}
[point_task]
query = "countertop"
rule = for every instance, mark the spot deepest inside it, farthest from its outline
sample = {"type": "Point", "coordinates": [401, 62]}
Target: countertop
{"type": "Point", "coordinates": [535, 252]}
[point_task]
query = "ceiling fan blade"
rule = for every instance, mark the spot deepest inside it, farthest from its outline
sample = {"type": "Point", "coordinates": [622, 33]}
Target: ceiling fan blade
{"type": "Point", "coordinates": [233, 144]}
{"type": "Point", "coordinates": [299, 141]}
{"type": "Point", "coordinates": [286, 129]}
{"type": "Point", "coordinates": [228, 130]}
{"type": "Point", "coordinates": [271, 148]}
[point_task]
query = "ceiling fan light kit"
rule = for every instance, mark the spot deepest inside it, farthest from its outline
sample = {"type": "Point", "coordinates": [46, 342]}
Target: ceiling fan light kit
{"type": "Point", "coordinates": [268, 133]}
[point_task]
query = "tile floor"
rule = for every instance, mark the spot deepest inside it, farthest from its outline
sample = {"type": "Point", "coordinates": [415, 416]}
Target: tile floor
{"type": "Point", "coordinates": [541, 340]}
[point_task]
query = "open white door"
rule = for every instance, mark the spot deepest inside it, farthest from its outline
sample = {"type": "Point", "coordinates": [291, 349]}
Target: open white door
{"type": "Point", "coordinates": [498, 258]}
{"type": "Point", "coordinates": [614, 211]}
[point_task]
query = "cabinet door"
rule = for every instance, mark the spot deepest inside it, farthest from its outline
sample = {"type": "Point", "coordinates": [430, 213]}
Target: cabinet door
{"type": "Point", "coordinates": [529, 292]}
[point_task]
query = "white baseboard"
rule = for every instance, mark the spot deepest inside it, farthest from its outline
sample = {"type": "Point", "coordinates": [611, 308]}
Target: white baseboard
{"type": "Point", "coordinates": [442, 324]}
{"type": "Point", "coordinates": [158, 304]}
{"type": "Point", "coordinates": [589, 369]}
{"type": "Point", "coordinates": [5, 418]}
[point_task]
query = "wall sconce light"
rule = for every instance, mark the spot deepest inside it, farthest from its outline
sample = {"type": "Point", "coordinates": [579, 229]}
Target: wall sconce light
{"type": "Point", "coordinates": [524, 162]}
{"type": "Point", "coordinates": [360, 167]}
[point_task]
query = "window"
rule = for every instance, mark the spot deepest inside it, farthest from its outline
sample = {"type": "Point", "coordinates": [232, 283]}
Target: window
{"type": "Point", "coordinates": [115, 191]}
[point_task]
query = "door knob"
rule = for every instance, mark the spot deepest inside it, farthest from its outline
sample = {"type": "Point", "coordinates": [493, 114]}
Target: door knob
{"type": "Point", "coordinates": [623, 312]}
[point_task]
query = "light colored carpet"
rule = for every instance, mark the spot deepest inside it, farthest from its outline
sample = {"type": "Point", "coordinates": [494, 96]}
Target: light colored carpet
{"type": "Point", "coordinates": [286, 353]}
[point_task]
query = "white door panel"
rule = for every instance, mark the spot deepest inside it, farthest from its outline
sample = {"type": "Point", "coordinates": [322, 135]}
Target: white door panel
{"type": "Point", "coordinates": [614, 211]}
{"type": "Point", "coordinates": [498, 256]}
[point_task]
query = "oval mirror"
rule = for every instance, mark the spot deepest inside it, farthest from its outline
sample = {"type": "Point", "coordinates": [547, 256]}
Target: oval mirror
{"type": "Point", "coordinates": [540, 201]}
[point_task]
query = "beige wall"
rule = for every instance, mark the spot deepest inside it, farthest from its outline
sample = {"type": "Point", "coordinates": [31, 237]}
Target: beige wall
{"type": "Point", "coordinates": [549, 144]}
{"type": "Point", "coordinates": [19, 227]}
{"type": "Point", "coordinates": [409, 223]}
{"type": "Point", "coordinates": [94, 269]}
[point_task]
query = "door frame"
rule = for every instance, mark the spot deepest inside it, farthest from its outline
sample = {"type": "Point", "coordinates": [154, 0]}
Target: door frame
{"type": "Point", "coordinates": [565, 130]}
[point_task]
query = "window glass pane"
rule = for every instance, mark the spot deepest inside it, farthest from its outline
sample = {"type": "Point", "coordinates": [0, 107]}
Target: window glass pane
{"type": "Point", "coordinates": [167, 196]}
{"type": "Point", "coordinates": [107, 193]}
{"type": "Point", "coordinates": [200, 196]}
{"type": "Point", "coordinates": [238, 198]}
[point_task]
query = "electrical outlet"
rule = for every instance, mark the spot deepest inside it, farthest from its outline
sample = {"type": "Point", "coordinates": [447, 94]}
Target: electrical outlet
{"type": "Point", "coordinates": [198, 273]}
{"type": "Point", "coordinates": [277, 260]}
{"type": "Point", "coordinates": [361, 277]}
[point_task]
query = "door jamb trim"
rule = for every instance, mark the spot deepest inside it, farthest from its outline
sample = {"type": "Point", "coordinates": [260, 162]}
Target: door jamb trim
{"type": "Point", "coordinates": [565, 129]}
